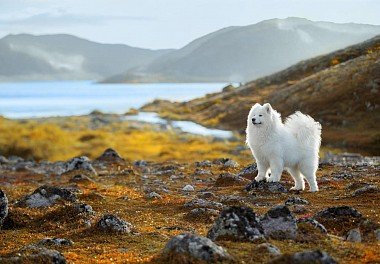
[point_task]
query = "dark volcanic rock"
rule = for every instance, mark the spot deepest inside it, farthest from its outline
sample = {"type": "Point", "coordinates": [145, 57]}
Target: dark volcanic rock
{"type": "Point", "coordinates": [279, 223]}
{"type": "Point", "coordinates": [249, 172]}
{"type": "Point", "coordinates": [228, 179]}
{"type": "Point", "coordinates": [55, 242]}
{"type": "Point", "coordinates": [273, 187]}
{"type": "Point", "coordinates": [3, 207]}
{"type": "Point", "coordinates": [296, 200]}
{"type": "Point", "coordinates": [110, 155]}
{"type": "Point", "coordinates": [111, 223]}
{"type": "Point", "coordinates": [236, 223]}
{"type": "Point", "coordinates": [201, 203]}
{"type": "Point", "coordinates": [34, 254]}
{"type": "Point", "coordinates": [305, 257]}
{"type": "Point", "coordinates": [189, 248]}
{"type": "Point", "coordinates": [46, 196]}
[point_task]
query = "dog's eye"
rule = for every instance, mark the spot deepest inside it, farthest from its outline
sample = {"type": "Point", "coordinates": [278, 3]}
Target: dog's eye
{"type": "Point", "coordinates": [260, 115]}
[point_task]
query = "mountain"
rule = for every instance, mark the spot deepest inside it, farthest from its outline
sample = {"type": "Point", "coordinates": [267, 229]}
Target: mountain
{"type": "Point", "coordinates": [340, 90]}
{"type": "Point", "coordinates": [29, 57]}
{"type": "Point", "coordinates": [239, 54]}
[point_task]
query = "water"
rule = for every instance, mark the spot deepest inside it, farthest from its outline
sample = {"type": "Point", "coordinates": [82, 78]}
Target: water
{"type": "Point", "coordinates": [65, 98]}
{"type": "Point", "coordinates": [186, 126]}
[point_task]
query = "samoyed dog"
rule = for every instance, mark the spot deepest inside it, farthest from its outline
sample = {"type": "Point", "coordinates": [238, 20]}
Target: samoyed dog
{"type": "Point", "coordinates": [293, 145]}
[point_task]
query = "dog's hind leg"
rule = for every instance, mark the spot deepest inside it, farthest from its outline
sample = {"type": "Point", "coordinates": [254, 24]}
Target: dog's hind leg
{"type": "Point", "coordinates": [309, 171]}
{"type": "Point", "coordinates": [299, 182]}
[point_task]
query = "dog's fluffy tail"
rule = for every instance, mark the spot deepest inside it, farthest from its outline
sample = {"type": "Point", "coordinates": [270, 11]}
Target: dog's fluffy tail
{"type": "Point", "coordinates": [306, 129]}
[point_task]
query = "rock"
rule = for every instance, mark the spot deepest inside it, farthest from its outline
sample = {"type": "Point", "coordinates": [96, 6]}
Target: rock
{"type": "Point", "coordinates": [204, 214]}
{"type": "Point", "coordinates": [110, 155]}
{"type": "Point", "coordinates": [82, 179]}
{"type": "Point", "coordinates": [205, 163]}
{"type": "Point", "coordinates": [190, 248]}
{"type": "Point", "coordinates": [82, 208]}
{"type": "Point", "coordinates": [249, 172]}
{"type": "Point", "coordinates": [79, 163]}
{"type": "Point", "coordinates": [314, 223]}
{"type": "Point", "coordinates": [3, 207]}
{"type": "Point", "coordinates": [226, 163]}
{"type": "Point", "coordinates": [366, 190]}
{"type": "Point", "coordinates": [236, 223]}
{"type": "Point", "coordinates": [272, 187]}
{"type": "Point", "coordinates": [201, 203]}
{"type": "Point", "coordinates": [46, 196]}
{"type": "Point", "coordinates": [55, 242]}
{"type": "Point", "coordinates": [188, 188]}
{"type": "Point", "coordinates": [298, 209]}
{"type": "Point", "coordinates": [207, 195]}
{"type": "Point", "coordinates": [279, 223]}
{"type": "Point", "coordinates": [296, 200]}
{"type": "Point", "coordinates": [111, 223]}
{"type": "Point", "coordinates": [377, 234]}
{"type": "Point", "coordinates": [228, 179]}
{"type": "Point", "coordinates": [34, 254]}
{"type": "Point", "coordinates": [268, 248]}
{"type": "Point", "coordinates": [305, 257]}
{"type": "Point", "coordinates": [153, 195]}
{"type": "Point", "coordinates": [199, 172]}
{"type": "Point", "coordinates": [4, 160]}
{"type": "Point", "coordinates": [140, 163]}
{"type": "Point", "coordinates": [354, 235]}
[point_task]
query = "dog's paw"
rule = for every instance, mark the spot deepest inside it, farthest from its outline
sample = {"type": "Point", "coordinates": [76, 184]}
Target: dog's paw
{"type": "Point", "coordinates": [272, 179]}
{"type": "Point", "coordinates": [259, 178]}
{"type": "Point", "coordinates": [294, 188]}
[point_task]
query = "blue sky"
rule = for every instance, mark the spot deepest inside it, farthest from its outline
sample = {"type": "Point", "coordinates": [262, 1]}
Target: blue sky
{"type": "Point", "coordinates": [167, 23]}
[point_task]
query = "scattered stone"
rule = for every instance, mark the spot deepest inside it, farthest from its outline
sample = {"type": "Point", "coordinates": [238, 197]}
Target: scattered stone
{"type": "Point", "coordinates": [377, 234]}
{"type": "Point", "coordinates": [237, 223]}
{"type": "Point", "coordinates": [356, 185]}
{"type": "Point", "coordinates": [226, 163]}
{"type": "Point", "coordinates": [55, 242]}
{"type": "Point", "coordinates": [190, 248]}
{"type": "Point", "coordinates": [3, 207]}
{"type": "Point", "coordinates": [314, 223]}
{"type": "Point", "coordinates": [79, 163]}
{"type": "Point", "coordinates": [188, 188]}
{"type": "Point", "coordinates": [111, 223]}
{"type": "Point", "coordinates": [3, 160]}
{"type": "Point", "coordinates": [199, 172]}
{"type": "Point", "coordinates": [201, 203]}
{"type": "Point", "coordinates": [82, 179]}
{"type": "Point", "coordinates": [296, 200]}
{"type": "Point", "coordinates": [204, 214]}
{"type": "Point", "coordinates": [205, 163]}
{"type": "Point", "coordinates": [207, 195]}
{"type": "Point", "coordinates": [366, 190]}
{"type": "Point", "coordinates": [268, 248]}
{"type": "Point", "coordinates": [272, 187]}
{"type": "Point", "coordinates": [298, 209]}
{"type": "Point", "coordinates": [305, 257]}
{"type": "Point", "coordinates": [279, 223]}
{"type": "Point", "coordinates": [354, 235]}
{"type": "Point", "coordinates": [140, 163]}
{"type": "Point", "coordinates": [82, 208]}
{"type": "Point", "coordinates": [228, 179]}
{"type": "Point", "coordinates": [46, 196]}
{"type": "Point", "coordinates": [249, 172]}
{"type": "Point", "coordinates": [110, 155]}
{"type": "Point", "coordinates": [153, 195]}
{"type": "Point", "coordinates": [34, 254]}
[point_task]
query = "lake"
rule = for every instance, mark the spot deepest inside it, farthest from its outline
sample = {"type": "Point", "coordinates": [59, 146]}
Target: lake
{"type": "Point", "coordinates": [64, 98]}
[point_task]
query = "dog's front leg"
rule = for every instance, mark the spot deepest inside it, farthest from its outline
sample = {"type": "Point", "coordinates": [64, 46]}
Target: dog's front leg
{"type": "Point", "coordinates": [262, 168]}
{"type": "Point", "coordinates": [276, 167]}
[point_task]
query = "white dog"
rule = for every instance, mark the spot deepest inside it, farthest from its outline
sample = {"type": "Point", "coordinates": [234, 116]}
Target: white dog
{"type": "Point", "coordinates": [293, 145]}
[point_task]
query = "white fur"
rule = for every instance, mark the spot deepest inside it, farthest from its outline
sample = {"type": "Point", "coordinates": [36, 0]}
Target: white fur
{"type": "Point", "coordinates": [293, 145]}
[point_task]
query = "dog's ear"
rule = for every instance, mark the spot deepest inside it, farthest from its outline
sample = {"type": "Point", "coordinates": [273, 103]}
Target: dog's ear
{"type": "Point", "coordinates": [268, 108]}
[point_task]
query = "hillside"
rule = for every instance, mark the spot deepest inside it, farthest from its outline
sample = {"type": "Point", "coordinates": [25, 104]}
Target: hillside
{"type": "Point", "coordinates": [240, 54]}
{"type": "Point", "coordinates": [60, 56]}
{"type": "Point", "coordinates": [340, 90]}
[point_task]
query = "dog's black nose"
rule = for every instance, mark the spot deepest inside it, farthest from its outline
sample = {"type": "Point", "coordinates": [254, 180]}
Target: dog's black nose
{"type": "Point", "coordinates": [253, 120]}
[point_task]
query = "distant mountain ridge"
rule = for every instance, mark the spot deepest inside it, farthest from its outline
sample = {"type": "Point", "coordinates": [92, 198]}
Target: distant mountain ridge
{"type": "Point", "coordinates": [66, 57]}
{"type": "Point", "coordinates": [239, 54]}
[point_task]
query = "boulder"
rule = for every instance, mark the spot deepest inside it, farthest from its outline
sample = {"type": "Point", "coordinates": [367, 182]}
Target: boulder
{"type": "Point", "coordinates": [34, 254]}
{"type": "Point", "coordinates": [202, 214]}
{"type": "Point", "coordinates": [296, 200]}
{"type": "Point", "coordinates": [111, 223]}
{"type": "Point", "coordinates": [279, 223]}
{"type": "Point", "coordinates": [249, 172]}
{"type": "Point", "coordinates": [272, 187]}
{"type": "Point", "coordinates": [190, 248]}
{"type": "Point", "coordinates": [79, 163]}
{"type": "Point", "coordinates": [354, 235]}
{"type": "Point", "coordinates": [201, 203]}
{"type": "Point", "coordinates": [305, 257]}
{"type": "Point", "coordinates": [110, 155]}
{"type": "Point", "coordinates": [55, 242]}
{"type": "Point", "coordinates": [237, 223]}
{"type": "Point", "coordinates": [228, 179]}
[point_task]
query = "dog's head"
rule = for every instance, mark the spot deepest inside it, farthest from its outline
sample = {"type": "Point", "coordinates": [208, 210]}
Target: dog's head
{"type": "Point", "coordinates": [260, 115]}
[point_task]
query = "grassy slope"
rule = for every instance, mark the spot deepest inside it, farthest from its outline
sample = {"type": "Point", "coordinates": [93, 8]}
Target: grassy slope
{"type": "Point", "coordinates": [340, 89]}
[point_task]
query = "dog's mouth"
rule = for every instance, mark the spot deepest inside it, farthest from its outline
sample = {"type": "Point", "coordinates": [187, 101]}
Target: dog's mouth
{"type": "Point", "coordinates": [258, 123]}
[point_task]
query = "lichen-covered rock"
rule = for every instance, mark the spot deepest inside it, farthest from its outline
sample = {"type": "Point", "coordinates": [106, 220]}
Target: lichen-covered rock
{"type": "Point", "coordinates": [202, 214]}
{"type": "Point", "coordinates": [226, 163]}
{"type": "Point", "coordinates": [3, 207]}
{"type": "Point", "coordinates": [190, 248]}
{"type": "Point", "coordinates": [81, 179]}
{"type": "Point", "coordinates": [296, 200]}
{"type": "Point", "coordinates": [201, 203]}
{"type": "Point", "coordinates": [34, 254]}
{"type": "Point", "coordinates": [188, 188]}
{"type": "Point", "coordinates": [153, 195]}
{"type": "Point", "coordinates": [279, 223]}
{"type": "Point", "coordinates": [55, 242]}
{"type": "Point", "coordinates": [305, 257]}
{"type": "Point", "coordinates": [46, 196]}
{"type": "Point", "coordinates": [354, 235]}
{"type": "Point", "coordinates": [111, 223]}
{"type": "Point", "coordinates": [314, 223]}
{"type": "Point", "coordinates": [366, 190]}
{"type": "Point", "coordinates": [236, 223]}
{"type": "Point", "coordinates": [205, 163]}
{"type": "Point", "coordinates": [249, 172]}
{"type": "Point", "coordinates": [79, 163]}
{"type": "Point", "coordinates": [140, 163]}
{"type": "Point", "coordinates": [268, 248]}
{"type": "Point", "coordinates": [110, 155]}
{"type": "Point", "coordinates": [272, 187]}
{"type": "Point", "coordinates": [228, 179]}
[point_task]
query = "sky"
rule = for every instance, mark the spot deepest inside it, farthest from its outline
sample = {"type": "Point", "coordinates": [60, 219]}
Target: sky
{"type": "Point", "coordinates": [158, 24]}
